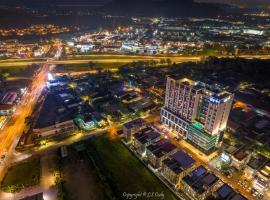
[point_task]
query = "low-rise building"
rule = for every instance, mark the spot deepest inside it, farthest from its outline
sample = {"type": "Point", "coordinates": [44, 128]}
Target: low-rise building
{"type": "Point", "coordinates": [262, 178]}
{"type": "Point", "coordinates": [53, 120]}
{"type": "Point", "coordinates": [144, 138]}
{"type": "Point", "coordinates": [240, 159]}
{"type": "Point", "coordinates": [9, 98]}
{"type": "Point", "coordinates": [200, 183]}
{"type": "Point", "coordinates": [60, 128]}
{"type": "Point", "coordinates": [254, 165]}
{"type": "Point", "coordinates": [133, 127]}
{"type": "Point", "coordinates": [225, 192]}
{"type": "Point", "coordinates": [6, 109]}
{"type": "Point", "coordinates": [176, 166]}
{"type": "Point", "coordinates": [159, 151]}
{"type": "Point", "coordinates": [233, 126]}
{"type": "Point", "coordinates": [8, 101]}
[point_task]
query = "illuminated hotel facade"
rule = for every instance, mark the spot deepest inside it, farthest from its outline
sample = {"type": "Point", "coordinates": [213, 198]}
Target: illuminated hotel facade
{"type": "Point", "coordinates": [195, 112]}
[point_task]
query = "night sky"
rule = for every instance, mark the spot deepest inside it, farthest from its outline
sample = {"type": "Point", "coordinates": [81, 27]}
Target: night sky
{"type": "Point", "coordinates": [241, 2]}
{"type": "Point", "coordinates": [244, 3]}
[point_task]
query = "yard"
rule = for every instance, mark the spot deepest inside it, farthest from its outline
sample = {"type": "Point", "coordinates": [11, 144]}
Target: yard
{"type": "Point", "coordinates": [22, 175]}
{"type": "Point", "coordinates": [122, 171]}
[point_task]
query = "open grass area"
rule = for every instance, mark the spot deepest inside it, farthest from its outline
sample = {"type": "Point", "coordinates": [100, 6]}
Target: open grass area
{"type": "Point", "coordinates": [22, 60]}
{"type": "Point", "coordinates": [13, 67]}
{"type": "Point", "coordinates": [122, 171]}
{"type": "Point", "coordinates": [22, 71]}
{"type": "Point", "coordinates": [18, 69]}
{"type": "Point", "coordinates": [22, 175]}
{"type": "Point", "coordinates": [85, 66]}
{"type": "Point", "coordinates": [131, 58]}
{"type": "Point", "coordinates": [19, 63]}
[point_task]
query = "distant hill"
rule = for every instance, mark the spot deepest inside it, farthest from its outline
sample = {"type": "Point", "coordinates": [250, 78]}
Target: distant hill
{"type": "Point", "coordinates": [46, 3]}
{"type": "Point", "coordinates": [166, 8]}
{"type": "Point", "coordinates": [242, 3]}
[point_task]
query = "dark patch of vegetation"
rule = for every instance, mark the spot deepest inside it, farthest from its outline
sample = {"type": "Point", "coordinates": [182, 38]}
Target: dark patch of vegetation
{"type": "Point", "coordinates": [21, 176]}
{"type": "Point", "coordinates": [117, 166]}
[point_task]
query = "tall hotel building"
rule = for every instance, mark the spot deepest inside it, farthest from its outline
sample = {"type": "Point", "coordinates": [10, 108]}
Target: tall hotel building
{"type": "Point", "coordinates": [197, 113]}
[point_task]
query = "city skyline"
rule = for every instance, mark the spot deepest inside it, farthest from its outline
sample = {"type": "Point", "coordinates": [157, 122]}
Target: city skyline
{"type": "Point", "coordinates": [134, 99]}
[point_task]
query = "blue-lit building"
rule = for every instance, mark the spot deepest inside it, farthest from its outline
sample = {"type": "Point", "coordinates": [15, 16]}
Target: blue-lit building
{"type": "Point", "coordinates": [196, 111]}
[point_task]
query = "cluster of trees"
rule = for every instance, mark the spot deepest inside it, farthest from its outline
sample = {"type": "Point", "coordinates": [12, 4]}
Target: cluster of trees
{"type": "Point", "coordinates": [255, 69]}
{"type": "Point", "coordinates": [263, 150]}
{"type": "Point", "coordinates": [252, 70]}
{"type": "Point", "coordinates": [150, 63]}
{"type": "Point", "coordinates": [3, 77]}
{"type": "Point", "coordinates": [27, 71]}
{"type": "Point", "coordinates": [129, 67]}
{"type": "Point", "coordinates": [27, 174]}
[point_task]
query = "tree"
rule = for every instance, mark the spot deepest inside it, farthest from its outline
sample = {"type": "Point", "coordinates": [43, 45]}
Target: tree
{"type": "Point", "coordinates": [162, 61]}
{"type": "Point", "coordinates": [153, 62]}
{"type": "Point", "coordinates": [91, 64]}
{"type": "Point", "coordinates": [169, 61]}
{"type": "Point", "coordinates": [224, 167]}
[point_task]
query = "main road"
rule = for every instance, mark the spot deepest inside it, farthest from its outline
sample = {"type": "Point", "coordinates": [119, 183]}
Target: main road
{"type": "Point", "coordinates": [11, 133]}
{"type": "Point", "coordinates": [101, 58]}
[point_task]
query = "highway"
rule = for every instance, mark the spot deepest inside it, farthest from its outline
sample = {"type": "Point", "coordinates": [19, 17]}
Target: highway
{"type": "Point", "coordinates": [101, 58]}
{"type": "Point", "coordinates": [11, 133]}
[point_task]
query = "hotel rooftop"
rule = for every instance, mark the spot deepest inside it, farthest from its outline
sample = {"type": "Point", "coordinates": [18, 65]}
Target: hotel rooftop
{"type": "Point", "coordinates": [212, 90]}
